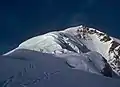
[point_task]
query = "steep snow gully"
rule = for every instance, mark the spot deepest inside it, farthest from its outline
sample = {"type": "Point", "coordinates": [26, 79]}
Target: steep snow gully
{"type": "Point", "coordinates": [81, 47]}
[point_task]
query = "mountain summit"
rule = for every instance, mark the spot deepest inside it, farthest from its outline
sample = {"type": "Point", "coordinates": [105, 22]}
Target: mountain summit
{"type": "Point", "coordinates": [82, 47]}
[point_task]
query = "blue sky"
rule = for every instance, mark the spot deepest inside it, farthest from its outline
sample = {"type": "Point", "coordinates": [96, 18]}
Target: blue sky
{"type": "Point", "coordinates": [22, 19]}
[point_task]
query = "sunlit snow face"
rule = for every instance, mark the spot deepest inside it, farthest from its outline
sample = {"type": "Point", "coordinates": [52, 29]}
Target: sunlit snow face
{"type": "Point", "coordinates": [80, 40]}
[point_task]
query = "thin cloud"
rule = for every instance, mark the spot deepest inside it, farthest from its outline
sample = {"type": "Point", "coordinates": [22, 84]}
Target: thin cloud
{"type": "Point", "coordinates": [79, 18]}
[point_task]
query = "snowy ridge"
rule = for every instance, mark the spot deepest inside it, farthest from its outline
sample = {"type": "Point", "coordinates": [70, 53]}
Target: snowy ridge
{"type": "Point", "coordinates": [82, 41]}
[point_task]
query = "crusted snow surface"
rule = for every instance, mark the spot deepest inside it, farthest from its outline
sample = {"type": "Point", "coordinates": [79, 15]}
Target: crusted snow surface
{"type": "Point", "coordinates": [80, 40]}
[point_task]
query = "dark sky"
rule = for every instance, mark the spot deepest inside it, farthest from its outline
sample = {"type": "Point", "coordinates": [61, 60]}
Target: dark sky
{"type": "Point", "coordinates": [22, 19]}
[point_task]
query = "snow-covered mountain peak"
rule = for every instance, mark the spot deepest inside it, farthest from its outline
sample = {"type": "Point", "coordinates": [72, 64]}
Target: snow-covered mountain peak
{"type": "Point", "coordinates": [78, 40]}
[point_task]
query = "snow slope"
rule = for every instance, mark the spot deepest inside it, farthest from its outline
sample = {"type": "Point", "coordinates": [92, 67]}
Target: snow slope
{"type": "Point", "coordinates": [26, 68]}
{"type": "Point", "coordinates": [82, 41]}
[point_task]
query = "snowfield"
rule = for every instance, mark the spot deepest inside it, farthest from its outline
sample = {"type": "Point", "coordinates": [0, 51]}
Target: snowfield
{"type": "Point", "coordinates": [74, 57]}
{"type": "Point", "coordinates": [25, 68]}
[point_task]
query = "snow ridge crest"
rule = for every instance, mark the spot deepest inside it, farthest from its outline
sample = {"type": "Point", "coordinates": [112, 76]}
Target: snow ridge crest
{"type": "Point", "coordinates": [77, 40]}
